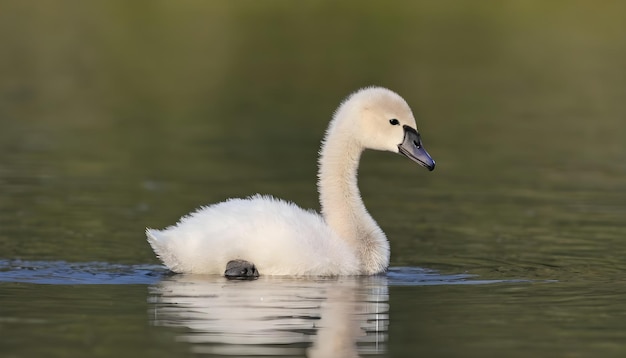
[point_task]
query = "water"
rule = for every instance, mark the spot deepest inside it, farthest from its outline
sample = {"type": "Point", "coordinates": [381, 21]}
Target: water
{"type": "Point", "coordinates": [271, 316]}
{"type": "Point", "coordinates": [117, 116]}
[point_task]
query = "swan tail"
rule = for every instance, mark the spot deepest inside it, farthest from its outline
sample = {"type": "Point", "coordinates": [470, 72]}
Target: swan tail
{"type": "Point", "coordinates": [158, 242]}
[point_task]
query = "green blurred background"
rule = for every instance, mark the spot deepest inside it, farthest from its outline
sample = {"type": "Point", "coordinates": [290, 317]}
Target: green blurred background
{"type": "Point", "coordinates": [120, 115]}
{"type": "Point", "coordinates": [117, 115]}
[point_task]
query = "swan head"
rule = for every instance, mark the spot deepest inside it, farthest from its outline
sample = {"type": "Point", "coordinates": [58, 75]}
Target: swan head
{"type": "Point", "coordinates": [382, 120]}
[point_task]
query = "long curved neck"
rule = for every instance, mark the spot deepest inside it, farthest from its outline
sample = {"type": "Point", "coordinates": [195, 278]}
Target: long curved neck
{"type": "Point", "coordinates": [341, 203]}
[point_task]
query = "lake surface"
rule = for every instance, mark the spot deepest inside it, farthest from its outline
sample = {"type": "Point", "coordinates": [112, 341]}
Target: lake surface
{"type": "Point", "coordinates": [116, 116]}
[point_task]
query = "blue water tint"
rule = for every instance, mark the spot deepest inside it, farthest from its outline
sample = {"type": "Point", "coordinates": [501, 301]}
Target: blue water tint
{"type": "Point", "coordinates": [89, 273]}
{"type": "Point", "coordinates": [79, 273]}
{"type": "Point", "coordinates": [416, 276]}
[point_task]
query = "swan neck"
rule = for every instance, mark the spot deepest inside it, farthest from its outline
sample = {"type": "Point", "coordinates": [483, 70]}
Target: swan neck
{"type": "Point", "coordinates": [341, 203]}
{"type": "Point", "coordinates": [338, 189]}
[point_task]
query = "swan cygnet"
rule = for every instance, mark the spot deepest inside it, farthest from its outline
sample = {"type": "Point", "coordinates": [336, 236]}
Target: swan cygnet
{"type": "Point", "coordinates": [240, 238]}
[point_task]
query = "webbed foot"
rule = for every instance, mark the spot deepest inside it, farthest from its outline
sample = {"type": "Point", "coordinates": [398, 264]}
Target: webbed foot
{"type": "Point", "coordinates": [241, 270]}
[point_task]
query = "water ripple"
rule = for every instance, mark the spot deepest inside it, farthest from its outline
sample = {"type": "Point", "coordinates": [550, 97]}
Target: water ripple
{"type": "Point", "coordinates": [85, 273]}
{"type": "Point", "coordinates": [78, 273]}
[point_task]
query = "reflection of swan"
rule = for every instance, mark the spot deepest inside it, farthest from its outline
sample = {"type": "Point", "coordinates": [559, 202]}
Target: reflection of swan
{"type": "Point", "coordinates": [283, 239]}
{"type": "Point", "coordinates": [275, 316]}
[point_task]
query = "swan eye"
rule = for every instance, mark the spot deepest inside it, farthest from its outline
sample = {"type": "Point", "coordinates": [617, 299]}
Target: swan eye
{"type": "Point", "coordinates": [394, 122]}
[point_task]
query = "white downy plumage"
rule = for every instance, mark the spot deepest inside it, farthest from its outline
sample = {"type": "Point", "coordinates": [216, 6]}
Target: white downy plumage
{"type": "Point", "coordinates": [280, 238]}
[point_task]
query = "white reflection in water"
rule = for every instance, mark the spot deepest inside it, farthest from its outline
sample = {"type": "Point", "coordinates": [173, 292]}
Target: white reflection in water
{"type": "Point", "coordinates": [338, 317]}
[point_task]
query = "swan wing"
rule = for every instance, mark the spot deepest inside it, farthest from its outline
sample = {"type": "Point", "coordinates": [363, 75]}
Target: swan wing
{"type": "Point", "coordinates": [277, 236]}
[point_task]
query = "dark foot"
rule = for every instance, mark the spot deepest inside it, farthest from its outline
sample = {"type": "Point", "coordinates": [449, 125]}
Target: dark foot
{"type": "Point", "coordinates": [240, 270]}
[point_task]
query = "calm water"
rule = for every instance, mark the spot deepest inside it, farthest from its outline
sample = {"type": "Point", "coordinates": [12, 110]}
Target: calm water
{"type": "Point", "coordinates": [115, 116]}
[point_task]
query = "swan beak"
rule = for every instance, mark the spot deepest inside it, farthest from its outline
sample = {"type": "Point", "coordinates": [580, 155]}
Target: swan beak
{"type": "Point", "coordinates": [412, 148]}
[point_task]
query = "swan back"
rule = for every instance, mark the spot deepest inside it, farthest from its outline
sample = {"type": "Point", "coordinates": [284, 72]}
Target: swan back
{"type": "Point", "coordinates": [279, 237]}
